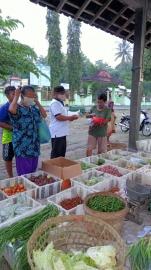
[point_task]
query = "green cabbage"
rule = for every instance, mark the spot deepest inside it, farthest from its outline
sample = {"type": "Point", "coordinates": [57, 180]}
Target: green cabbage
{"type": "Point", "coordinates": [101, 257]}
{"type": "Point", "coordinates": [104, 256]}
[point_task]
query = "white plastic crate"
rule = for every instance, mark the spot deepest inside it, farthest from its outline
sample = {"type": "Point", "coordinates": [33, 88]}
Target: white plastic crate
{"type": "Point", "coordinates": [94, 160]}
{"type": "Point", "coordinates": [111, 182]}
{"type": "Point", "coordinates": [137, 159]}
{"type": "Point", "coordinates": [110, 156]}
{"type": "Point", "coordinates": [146, 170]}
{"type": "Point", "coordinates": [69, 194]}
{"type": "Point", "coordinates": [44, 192]}
{"type": "Point", "coordinates": [21, 205]}
{"type": "Point", "coordinates": [17, 180]}
{"type": "Point", "coordinates": [88, 164]}
{"type": "Point", "coordinates": [144, 155]}
{"type": "Point", "coordinates": [144, 145]}
{"type": "Point", "coordinates": [128, 164]}
{"type": "Point", "coordinates": [119, 152]}
{"type": "Point", "coordinates": [27, 176]}
{"type": "Point", "coordinates": [81, 180]}
{"type": "Point", "coordinates": [122, 171]}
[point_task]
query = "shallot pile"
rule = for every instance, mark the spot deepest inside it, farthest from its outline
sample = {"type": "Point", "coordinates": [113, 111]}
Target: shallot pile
{"type": "Point", "coordinates": [110, 170]}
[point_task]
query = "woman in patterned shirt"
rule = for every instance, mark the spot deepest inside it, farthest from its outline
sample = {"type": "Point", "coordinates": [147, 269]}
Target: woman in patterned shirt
{"type": "Point", "coordinates": [25, 118]}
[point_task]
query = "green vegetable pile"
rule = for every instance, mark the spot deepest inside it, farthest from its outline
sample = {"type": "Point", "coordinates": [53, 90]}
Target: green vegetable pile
{"type": "Point", "coordinates": [86, 166]}
{"type": "Point", "coordinates": [94, 180]}
{"type": "Point", "coordinates": [105, 203]}
{"type": "Point", "coordinates": [21, 232]}
{"type": "Point", "coordinates": [140, 254]}
{"type": "Point", "coordinates": [100, 161]}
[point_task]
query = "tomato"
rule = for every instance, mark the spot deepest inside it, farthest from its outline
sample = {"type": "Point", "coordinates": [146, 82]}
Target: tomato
{"type": "Point", "coordinates": [12, 190]}
{"type": "Point", "coordinates": [65, 184]}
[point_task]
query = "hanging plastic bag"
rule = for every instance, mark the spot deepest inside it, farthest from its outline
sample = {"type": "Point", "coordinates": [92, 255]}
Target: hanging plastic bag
{"type": "Point", "coordinates": [44, 132]}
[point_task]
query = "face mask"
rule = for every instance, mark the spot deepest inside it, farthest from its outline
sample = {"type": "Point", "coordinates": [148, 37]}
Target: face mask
{"type": "Point", "coordinates": [62, 97]}
{"type": "Point", "coordinates": [28, 101]}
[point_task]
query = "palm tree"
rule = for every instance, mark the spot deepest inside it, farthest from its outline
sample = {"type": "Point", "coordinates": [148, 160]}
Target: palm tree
{"type": "Point", "coordinates": [124, 52]}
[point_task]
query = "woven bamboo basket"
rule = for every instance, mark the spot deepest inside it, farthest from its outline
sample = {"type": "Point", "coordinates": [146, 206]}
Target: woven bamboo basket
{"type": "Point", "coordinates": [75, 232]}
{"type": "Point", "coordinates": [115, 219]}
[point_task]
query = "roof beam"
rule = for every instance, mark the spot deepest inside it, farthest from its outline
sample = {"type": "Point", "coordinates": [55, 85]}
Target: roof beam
{"type": "Point", "coordinates": [85, 4]}
{"type": "Point", "coordinates": [129, 35]}
{"type": "Point", "coordinates": [61, 4]}
{"type": "Point", "coordinates": [116, 17]}
{"type": "Point", "coordinates": [100, 11]}
{"type": "Point", "coordinates": [44, 3]}
{"type": "Point", "coordinates": [125, 24]}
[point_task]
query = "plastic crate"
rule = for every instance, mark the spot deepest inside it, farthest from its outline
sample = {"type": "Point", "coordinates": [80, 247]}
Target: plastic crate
{"type": "Point", "coordinates": [94, 160]}
{"type": "Point", "coordinates": [110, 183]}
{"type": "Point", "coordinates": [68, 194]}
{"type": "Point", "coordinates": [135, 158]}
{"type": "Point", "coordinates": [110, 156]}
{"type": "Point", "coordinates": [17, 180]}
{"type": "Point", "coordinates": [144, 145]}
{"type": "Point", "coordinates": [44, 192]}
{"type": "Point", "coordinates": [136, 187]}
{"type": "Point", "coordinates": [87, 162]}
{"type": "Point", "coordinates": [122, 171]}
{"type": "Point", "coordinates": [10, 206]}
{"type": "Point", "coordinates": [128, 164]}
{"type": "Point", "coordinates": [89, 175]}
{"type": "Point", "coordinates": [144, 155]}
{"type": "Point", "coordinates": [27, 176]}
{"type": "Point", "coordinates": [146, 170]}
{"type": "Point", "coordinates": [119, 152]}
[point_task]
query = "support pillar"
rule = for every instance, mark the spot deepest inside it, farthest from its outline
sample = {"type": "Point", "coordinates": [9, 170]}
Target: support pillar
{"type": "Point", "coordinates": [137, 77]}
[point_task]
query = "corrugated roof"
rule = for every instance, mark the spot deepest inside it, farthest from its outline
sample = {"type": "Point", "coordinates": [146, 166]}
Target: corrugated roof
{"type": "Point", "coordinates": [116, 17]}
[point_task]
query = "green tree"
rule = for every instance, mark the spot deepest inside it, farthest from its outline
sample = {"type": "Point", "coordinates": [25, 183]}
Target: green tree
{"type": "Point", "coordinates": [15, 58]}
{"type": "Point", "coordinates": [88, 68]}
{"type": "Point", "coordinates": [124, 52]}
{"type": "Point", "coordinates": [64, 75]}
{"type": "Point", "coordinates": [100, 65]}
{"type": "Point", "coordinates": [124, 72]}
{"type": "Point", "coordinates": [54, 51]}
{"type": "Point", "coordinates": [74, 59]}
{"type": "Point", "coordinates": [147, 64]}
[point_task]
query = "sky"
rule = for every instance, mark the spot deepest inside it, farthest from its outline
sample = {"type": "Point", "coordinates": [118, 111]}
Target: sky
{"type": "Point", "coordinates": [95, 44]}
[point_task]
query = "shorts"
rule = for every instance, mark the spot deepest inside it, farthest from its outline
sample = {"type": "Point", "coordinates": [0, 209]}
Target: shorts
{"type": "Point", "coordinates": [8, 152]}
{"type": "Point", "coordinates": [100, 141]}
{"type": "Point", "coordinates": [59, 146]}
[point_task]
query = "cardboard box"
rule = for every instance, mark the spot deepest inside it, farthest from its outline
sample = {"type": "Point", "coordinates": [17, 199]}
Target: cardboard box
{"type": "Point", "coordinates": [62, 168]}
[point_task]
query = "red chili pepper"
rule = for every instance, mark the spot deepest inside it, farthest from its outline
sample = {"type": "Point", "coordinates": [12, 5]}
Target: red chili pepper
{"type": "Point", "coordinates": [71, 203]}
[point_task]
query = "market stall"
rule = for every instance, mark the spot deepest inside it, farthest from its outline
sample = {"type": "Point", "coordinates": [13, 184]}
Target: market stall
{"type": "Point", "coordinates": [111, 191]}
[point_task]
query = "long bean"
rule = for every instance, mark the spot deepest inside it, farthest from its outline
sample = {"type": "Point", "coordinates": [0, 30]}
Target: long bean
{"type": "Point", "coordinates": [22, 230]}
{"type": "Point", "coordinates": [105, 203]}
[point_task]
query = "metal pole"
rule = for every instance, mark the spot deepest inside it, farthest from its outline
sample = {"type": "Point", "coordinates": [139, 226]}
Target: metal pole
{"type": "Point", "coordinates": [137, 77]}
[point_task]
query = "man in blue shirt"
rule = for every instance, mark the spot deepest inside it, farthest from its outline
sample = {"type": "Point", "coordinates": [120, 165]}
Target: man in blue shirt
{"type": "Point", "coordinates": [8, 152]}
